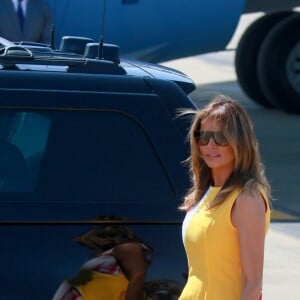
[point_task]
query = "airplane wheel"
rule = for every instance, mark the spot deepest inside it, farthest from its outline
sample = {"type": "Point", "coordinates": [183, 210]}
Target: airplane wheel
{"type": "Point", "coordinates": [278, 65]}
{"type": "Point", "coordinates": [247, 54]}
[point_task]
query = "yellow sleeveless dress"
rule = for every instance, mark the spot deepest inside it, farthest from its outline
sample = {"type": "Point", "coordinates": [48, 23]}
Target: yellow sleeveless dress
{"type": "Point", "coordinates": [212, 249]}
{"type": "Point", "coordinates": [104, 287]}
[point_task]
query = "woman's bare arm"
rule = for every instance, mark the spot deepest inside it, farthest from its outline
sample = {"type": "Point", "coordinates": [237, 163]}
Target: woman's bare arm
{"type": "Point", "coordinates": [248, 216]}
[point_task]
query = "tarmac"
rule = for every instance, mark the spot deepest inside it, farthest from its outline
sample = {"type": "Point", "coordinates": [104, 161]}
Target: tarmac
{"type": "Point", "coordinates": [282, 262]}
{"type": "Point", "coordinates": [214, 72]}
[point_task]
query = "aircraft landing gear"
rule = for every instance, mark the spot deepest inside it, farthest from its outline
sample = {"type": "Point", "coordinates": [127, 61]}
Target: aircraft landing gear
{"type": "Point", "coordinates": [267, 61]}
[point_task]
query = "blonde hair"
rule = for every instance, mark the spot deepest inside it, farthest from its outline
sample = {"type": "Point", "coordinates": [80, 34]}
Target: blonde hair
{"type": "Point", "coordinates": [248, 172]}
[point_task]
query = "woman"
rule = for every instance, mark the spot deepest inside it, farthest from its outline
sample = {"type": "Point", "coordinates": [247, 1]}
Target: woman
{"type": "Point", "coordinates": [117, 270]}
{"type": "Point", "coordinates": [227, 207]}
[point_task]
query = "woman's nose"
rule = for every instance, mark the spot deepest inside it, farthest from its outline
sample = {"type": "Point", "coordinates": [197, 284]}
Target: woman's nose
{"type": "Point", "coordinates": [211, 142]}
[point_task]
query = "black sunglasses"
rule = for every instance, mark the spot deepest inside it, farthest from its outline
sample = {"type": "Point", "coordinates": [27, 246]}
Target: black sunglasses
{"type": "Point", "coordinates": [203, 137]}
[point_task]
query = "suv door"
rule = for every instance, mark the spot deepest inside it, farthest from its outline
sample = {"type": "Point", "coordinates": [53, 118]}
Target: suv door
{"type": "Point", "coordinates": [87, 155]}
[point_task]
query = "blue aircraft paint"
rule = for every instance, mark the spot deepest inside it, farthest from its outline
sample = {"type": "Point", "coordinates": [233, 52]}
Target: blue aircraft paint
{"type": "Point", "coordinates": [152, 30]}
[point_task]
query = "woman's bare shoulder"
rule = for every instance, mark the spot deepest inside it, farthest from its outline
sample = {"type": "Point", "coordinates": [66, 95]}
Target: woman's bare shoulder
{"type": "Point", "coordinates": [249, 205]}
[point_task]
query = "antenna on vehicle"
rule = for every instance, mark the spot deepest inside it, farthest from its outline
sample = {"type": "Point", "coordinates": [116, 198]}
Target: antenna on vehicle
{"type": "Point", "coordinates": [101, 41]}
{"type": "Point", "coordinates": [52, 37]}
{"type": "Point", "coordinates": [52, 32]}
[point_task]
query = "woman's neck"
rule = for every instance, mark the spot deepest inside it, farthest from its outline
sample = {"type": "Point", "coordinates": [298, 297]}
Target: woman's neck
{"type": "Point", "coordinates": [219, 178]}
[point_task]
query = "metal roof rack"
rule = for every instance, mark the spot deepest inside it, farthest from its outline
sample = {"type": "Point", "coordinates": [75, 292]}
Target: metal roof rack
{"type": "Point", "coordinates": [77, 54]}
{"type": "Point", "coordinates": [15, 52]}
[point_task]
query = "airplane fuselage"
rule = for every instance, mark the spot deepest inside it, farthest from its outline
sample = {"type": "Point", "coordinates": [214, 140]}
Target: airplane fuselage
{"type": "Point", "coordinates": [152, 30]}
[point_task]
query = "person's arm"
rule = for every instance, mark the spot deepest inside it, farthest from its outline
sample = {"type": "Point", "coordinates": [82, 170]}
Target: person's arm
{"type": "Point", "coordinates": [131, 259]}
{"type": "Point", "coordinates": [248, 216]}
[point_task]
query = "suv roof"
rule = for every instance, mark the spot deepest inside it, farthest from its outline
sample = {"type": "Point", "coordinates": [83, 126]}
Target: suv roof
{"type": "Point", "coordinates": [82, 56]}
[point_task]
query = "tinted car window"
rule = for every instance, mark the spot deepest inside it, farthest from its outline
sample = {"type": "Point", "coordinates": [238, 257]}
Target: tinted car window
{"type": "Point", "coordinates": [94, 156]}
{"type": "Point", "coordinates": [23, 135]}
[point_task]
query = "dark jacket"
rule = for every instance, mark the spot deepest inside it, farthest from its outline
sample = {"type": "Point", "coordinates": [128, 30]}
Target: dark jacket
{"type": "Point", "coordinates": [37, 24]}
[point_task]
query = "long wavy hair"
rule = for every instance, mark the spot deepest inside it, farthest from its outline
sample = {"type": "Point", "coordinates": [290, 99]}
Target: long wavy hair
{"type": "Point", "coordinates": [248, 172]}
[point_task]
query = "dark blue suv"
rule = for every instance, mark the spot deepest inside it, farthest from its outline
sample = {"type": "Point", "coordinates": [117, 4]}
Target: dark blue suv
{"type": "Point", "coordinates": [85, 134]}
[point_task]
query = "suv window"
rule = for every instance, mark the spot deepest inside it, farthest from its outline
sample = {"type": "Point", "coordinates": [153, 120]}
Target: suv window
{"type": "Point", "coordinates": [89, 154]}
{"type": "Point", "coordinates": [94, 153]}
{"type": "Point", "coordinates": [23, 136]}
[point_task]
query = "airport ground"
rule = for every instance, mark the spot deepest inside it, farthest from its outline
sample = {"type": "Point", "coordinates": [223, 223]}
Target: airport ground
{"type": "Point", "coordinates": [279, 142]}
